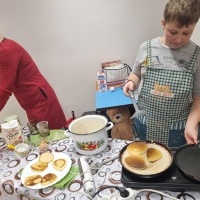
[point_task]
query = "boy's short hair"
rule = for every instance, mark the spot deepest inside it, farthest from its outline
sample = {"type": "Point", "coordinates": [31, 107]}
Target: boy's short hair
{"type": "Point", "coordinates": [183, 12]}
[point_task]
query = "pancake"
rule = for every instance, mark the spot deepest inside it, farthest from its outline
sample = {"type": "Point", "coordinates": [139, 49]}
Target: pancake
{"type": "Point", "coordinates": [32, 180]}
{"type": "Point", "coordinates": [48, 179]}
{"type": "Point", "coordinates": [135, 161]}
{"type": "Point", "coordinates": [46, 157]}
{"type": "Point", "coordinates": [39, 166]}
{"type": "Point", "coordinates": [153, 155]}
{"type": "Point", "coordinates": [59, 164]}
{"type": "Point", "coordinates": [137, 148]}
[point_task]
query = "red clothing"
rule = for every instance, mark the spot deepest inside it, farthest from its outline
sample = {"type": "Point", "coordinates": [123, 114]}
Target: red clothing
{"type": "Point", "coordinates": [20, 75]}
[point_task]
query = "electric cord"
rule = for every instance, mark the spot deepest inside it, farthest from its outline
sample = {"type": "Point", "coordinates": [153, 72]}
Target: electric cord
{"type": "Point", "coordinates": [125, 193]}
{"type": "Point", "coordinates": [158, 192]}
{"type": "Point", "coordinates": [91, 167]}
{"type": "Point", "coordinates": [81, 174]}
{"type": "Point", "coordinates": [122, 191]}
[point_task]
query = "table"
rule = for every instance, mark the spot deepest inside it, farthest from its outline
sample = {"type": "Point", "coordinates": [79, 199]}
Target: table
{"type": "Point", "coordinates": [109, 174]}
{"type": "Point", "coordinates": [112, 99]}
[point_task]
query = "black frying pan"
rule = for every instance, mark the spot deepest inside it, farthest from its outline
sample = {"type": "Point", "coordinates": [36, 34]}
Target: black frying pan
{"type": "Point", "coordinates": [187, 158]}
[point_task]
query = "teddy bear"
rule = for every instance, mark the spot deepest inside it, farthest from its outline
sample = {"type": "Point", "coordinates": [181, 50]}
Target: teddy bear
{"type": "Point", "coordinates": [122, 128]}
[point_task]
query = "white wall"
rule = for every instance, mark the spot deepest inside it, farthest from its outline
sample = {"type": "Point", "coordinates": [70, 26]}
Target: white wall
{"type": "Point", "coordinates": [69, 39]}
{"type": "Point", "coordinates": [196, 35]}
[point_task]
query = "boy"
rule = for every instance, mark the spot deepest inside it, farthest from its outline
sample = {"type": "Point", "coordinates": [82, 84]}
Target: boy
{"type": "Point", "coordinates": [167, 69]}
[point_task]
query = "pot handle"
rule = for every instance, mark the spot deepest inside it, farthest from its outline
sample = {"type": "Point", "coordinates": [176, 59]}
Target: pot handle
{"type": "Point", "coordinates": [67, 133]}
{"type": "Point", "coordinates": [109, 126]}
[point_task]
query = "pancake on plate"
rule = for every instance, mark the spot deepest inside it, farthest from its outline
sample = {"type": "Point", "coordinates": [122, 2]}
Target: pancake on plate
{"type": "Point", "coordinates": [59, 164]}
{"type": "Point", "coordinates": [137, 148]}
{"type": "Point", "coordinates": [39, 166]}
{"type": "Point", "coordinates": [48, 179]}
{"type": "Point", "coordinates": [135, 161]}
{"type": "Point", "coordinates": [32, 180]}
{"type": "Point", "coordinates": [46, 157]}
{"type": "Point", "coordinates": [153, 155]}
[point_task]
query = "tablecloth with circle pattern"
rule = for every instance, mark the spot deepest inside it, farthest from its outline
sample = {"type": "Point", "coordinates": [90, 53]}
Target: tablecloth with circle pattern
{"type": "Point", "coordinates": [109, 174]}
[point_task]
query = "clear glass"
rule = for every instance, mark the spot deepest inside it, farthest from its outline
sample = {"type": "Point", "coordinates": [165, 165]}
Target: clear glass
{"type": "Point", "coordinates": [32, 125]}
{"type": "Point", "coordinates": [43, 128]}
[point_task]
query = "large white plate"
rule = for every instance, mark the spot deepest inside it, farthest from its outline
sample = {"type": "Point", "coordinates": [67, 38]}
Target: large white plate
{"type": "Point", "coordinates": [60, 174]}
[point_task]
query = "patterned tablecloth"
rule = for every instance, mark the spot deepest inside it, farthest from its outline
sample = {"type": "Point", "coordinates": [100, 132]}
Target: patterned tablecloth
{"type": "Point", "coordinates": [109, 174]}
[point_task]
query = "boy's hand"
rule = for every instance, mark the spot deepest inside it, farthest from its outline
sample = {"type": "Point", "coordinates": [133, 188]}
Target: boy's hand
{"type": "Point", "coordinates": [191, 135]}
{"type": "Point", "coordinates": [128, 86]}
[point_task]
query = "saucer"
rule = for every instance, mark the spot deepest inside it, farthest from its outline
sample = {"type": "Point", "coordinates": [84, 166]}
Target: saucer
{"type": "Point", "coordinates": [20, 156]}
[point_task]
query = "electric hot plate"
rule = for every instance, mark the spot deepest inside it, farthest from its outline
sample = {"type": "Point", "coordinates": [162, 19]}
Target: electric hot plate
{"type": "Point", "coordinates": [172, 179]}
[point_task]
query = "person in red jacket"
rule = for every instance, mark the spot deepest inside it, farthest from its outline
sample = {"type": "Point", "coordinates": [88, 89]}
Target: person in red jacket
{"type": "Point", "coordinates": [19, 75]}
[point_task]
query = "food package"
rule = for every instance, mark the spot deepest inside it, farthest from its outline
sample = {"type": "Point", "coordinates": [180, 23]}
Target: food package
{"type": "Point", "coordinates": [101, 81]}
{"type": "Point", "coordinates": [12, 132]}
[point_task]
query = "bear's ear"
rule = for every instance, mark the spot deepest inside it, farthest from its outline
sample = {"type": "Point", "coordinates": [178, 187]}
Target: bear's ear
{"type": "Point", "coordinates": [108, 113]}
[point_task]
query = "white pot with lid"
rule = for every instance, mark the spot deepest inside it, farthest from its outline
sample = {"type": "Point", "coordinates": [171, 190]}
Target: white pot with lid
{"type": "Point", "coordinates": [89, 133]}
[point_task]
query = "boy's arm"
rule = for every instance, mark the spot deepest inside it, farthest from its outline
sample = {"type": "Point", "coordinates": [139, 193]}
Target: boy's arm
{"type": "Point", "coordinates": [191, 128]}
{"type": "Point", "coordinates": [132, 83]}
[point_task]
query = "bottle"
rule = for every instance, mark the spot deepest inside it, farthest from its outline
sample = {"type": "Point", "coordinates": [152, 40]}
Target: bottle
{"type": "Point", "coordinates": [101, 81]}
{"type": "Point", "coordinates": [10, 118]}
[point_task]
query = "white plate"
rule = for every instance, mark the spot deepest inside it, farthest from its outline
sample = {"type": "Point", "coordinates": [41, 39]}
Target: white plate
{"type": "Point", "coordinates": [60, 174]}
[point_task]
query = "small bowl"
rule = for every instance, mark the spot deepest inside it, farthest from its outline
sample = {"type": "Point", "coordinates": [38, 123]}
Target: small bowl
{"type": "Point", "coordinates": [22, 149]}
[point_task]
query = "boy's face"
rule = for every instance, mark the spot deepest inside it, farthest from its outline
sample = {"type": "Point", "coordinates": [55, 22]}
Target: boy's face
{"type": "Point", "coordinates": [175, 37]}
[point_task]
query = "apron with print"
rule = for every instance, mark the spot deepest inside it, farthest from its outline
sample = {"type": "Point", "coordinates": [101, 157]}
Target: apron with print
{"type": "Point", "coordinates": [166, 99]}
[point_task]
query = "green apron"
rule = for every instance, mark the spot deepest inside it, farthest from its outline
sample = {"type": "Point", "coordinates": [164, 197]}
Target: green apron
{"type": "Point", "coordinates": [166, 99]}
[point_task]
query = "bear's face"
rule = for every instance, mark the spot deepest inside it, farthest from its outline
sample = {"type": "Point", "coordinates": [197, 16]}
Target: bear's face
{"type": "Point", "coordinates": [118, 114]}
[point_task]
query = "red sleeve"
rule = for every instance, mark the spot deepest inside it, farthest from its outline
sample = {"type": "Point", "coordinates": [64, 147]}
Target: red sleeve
{"type": "Point", "coordinates": [8, 71]}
